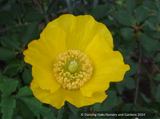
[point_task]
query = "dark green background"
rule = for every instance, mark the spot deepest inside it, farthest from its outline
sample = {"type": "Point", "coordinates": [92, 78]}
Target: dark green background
{"type": "Point", "coordinates": [135, 26]}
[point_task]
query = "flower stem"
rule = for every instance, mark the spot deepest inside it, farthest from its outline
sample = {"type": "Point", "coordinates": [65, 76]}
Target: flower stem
{"type": "Point", "coordinates": [137, 75]}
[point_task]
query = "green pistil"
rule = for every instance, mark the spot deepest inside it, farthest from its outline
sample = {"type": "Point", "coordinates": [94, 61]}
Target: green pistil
{"type": "Point", "coordinates": [73, 66]}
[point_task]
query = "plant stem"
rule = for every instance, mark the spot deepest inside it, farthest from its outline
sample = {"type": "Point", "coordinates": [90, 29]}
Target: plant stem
{"type": "Point", "coordinates": [137, 75]}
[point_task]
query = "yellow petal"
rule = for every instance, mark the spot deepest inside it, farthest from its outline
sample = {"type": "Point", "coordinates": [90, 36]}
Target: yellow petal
{"type": "Point", "coordinates": [41, 54]}
{"type": "Point", "coordinates": [108, 66]}
{"type": "Point", "coordinates": [58, 98]}
{"type": "Point", "coordinates": [81, 30]}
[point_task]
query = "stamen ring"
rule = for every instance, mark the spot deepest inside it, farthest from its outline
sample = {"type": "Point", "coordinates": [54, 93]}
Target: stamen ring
{"type": "Point", "coordinates": [72, 69]}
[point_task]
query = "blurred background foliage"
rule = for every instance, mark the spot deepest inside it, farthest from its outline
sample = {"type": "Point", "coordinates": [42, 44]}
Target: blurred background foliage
{"type": "Point", "coordinates": [135, 26]}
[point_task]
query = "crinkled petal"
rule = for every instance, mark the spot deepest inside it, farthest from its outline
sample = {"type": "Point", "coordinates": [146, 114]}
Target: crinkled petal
{"type": "Point", "coordinates": [81, 30]}
{"type": "Point", "coordinates": [108, 66]}
{"type": "Point", "coordinates": [41, 54]}
{"type": "Point", "coordinates": [58, 98]}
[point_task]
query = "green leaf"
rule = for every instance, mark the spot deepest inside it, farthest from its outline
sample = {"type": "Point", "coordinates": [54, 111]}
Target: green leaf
{"type": "Point", "coordinates": [14, 67]}
{"type": "Point", "coordinates": [34, 16]}
{"type": "Point", "coordinates": [7, 105]}
{"type": "Point", "coordinates": [36, 107]}
{"type": "Point", "coordinates": [127, 33]}
{"type": "Point", "coordinates": [133, 67]}
{"type": "Point", "coordinates": [120, 87]}
{"type": "Point", "coordinates": [158, 57]}
{"type": "Point", "coordinates": [8, 87]}
{"type": "Point", "coordinates": [157, 78]}
{"type": "Point", "coordinates": [100, 11]}
{"type": "Point", "coordinates": [129, 82]}
{"type": "Point", "coordinates": [24, 91]}
{"type": "Point", "coordinates": [149, 54]}
{"type": "Point", "coordinates": [120, 101]}
{"type": "Point", "coordinates": [127, 107]}
{"type": "Point", "coordinates": [107, 22]}
{"type": "Point", "coordinates": [123, 18]}
{"type": "Point", "coordinates": [110, 101]}
{"type": "Point", "coordinates": [120, 6]}
{"type": "Point", "coordinates": [18, 117]}
{"type": "Point", "coordinates": [141, 13]}
{"type": "Point", "coordinates": [151, 33]}
{"type": "Point", "coordinates": [145, 98]}
{"type": "Point", "coordinates": [149, 4]}
{"type": "Point", "coordinates": [6, 18]}
{"type": "Point", "coordinates": [158, 94]}
{"type": "Point", "coordinates": [154, 19]}
{"type": "Point", "coordinates": [72, 116]}
{"type": "Point", "coordinates": [125, 52]}
{"type": "Point", "coordinates": [73, 108]}
{"type": "Point", "coordinates": [1, 78]}
{"type": "Point", "coordinates": [151, 26]}
{"type": "Point", "coordinates": [60, 113]}
{"type": "Point", "coordinates": [16, 10]}
{"type": "Point", "coordinates": [131, 5]}
{"type": "Point", "coordinates": [96, 106]}
{"type": "Point", "coordinates": [155, 106]}
{"type": "Point", "coordinates": [27, 76]}
{"type": "Point", "coordinates": [30, 32]}
{"type": "Point", "coordinates": [158, 7]}
{"type": "Point", "coordinates": [24, 111]}
{"type": "Point", "coordinates": [130, 45]}
{"type": "Point", "coordinates": [150, 44]}
{"type": "Point", "coordinates": [9, 42]}
{"type": "Point", "coordinates": [7, 54]}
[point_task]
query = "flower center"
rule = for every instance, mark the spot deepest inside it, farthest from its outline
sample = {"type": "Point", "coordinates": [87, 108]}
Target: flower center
{"type": "Point", "coordinates": [73, 66]}
{"type": "Point", "coordinates": [72, 69]}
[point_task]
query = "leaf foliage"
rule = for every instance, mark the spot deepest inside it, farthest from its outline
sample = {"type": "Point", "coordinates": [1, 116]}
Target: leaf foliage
{"type": "Point", "coordinates": [135, 27]}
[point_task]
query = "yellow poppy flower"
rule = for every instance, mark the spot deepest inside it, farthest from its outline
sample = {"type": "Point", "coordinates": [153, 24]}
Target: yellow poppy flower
{"type": "Point", "coordinates": [73, 60]}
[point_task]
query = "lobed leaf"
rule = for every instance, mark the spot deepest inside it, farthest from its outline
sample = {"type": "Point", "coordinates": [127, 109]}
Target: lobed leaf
{"type": "Point", "coordinates": [9, 42]}
{"type": "Point", "coordinates": [24, 91]}
{"type": "Point", "coordinates": [7, 54]}
{"type": "Point", "coordinates": [27, 77]}
{"type": "Point", "coordinates": [36, 107]}
{"type": "Point", "coordinates": [14, 67]}
{"type": "Point", "coordinates": [8, 87]}
{"type": "Point", "coordinates": [7, 105]}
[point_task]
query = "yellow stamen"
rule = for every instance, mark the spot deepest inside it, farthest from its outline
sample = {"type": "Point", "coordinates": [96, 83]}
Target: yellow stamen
{"type": "Point", "coordinates": [72, 69]}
